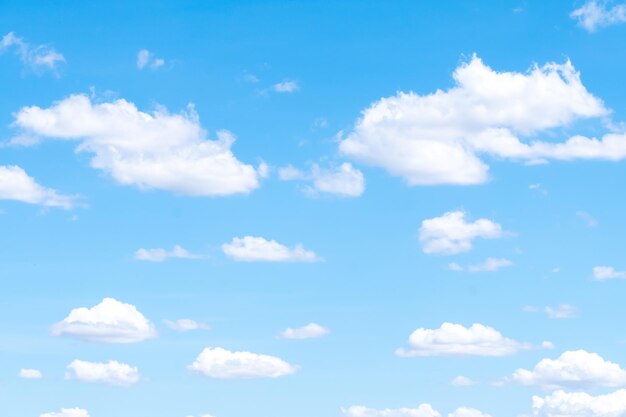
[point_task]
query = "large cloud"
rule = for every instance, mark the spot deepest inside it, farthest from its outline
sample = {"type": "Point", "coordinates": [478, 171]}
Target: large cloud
{"type": "Point", "coordinates": [111, 372]}
{"type": "Point", "coordinates": [573, 369]}
{"type": "Point", "coordinates": [580, 404]}
{"type": "Point", "coordinates": [439, 138]}
{"type": "Point", "coordinates": [16, 184]}
{"type": "Point", "coordinates": [150, 150]}
{"type": "Point", "coordinates": [220, 363]}
{"type": "Point", "coordinates": [253, 248]}
{"type": "Point", "coordinates": [110, 321]}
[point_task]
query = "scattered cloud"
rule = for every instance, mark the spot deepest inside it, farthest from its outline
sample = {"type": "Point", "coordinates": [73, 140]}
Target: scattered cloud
{"type": "Point", "coordinates": [38, 58]}
{"type": "Point", "coordinates": [251, 249]}
{"type": "Point", "coordinates": [573, 369]}
{"type": "Point", "coordinates": [344, 180]}
{"type": "Point", "coordinates": [580, 404]}
{"type": "Point", "coordinates": [30, 374]}
{"type": "Point", "coordinates": [310, 331]}
{"type": "Point", "coordinates": [450, 233]}
{"type": "Point", "coordinates": [146, 59]}
{"type": "Point", "coordinates": [160, 255]}
{"type": "Point", "coordinates": [456, 340]}
{"type": "Point", "coordinates": [490, 265]}
{"type": "Point", "coordinates": [594, 15]}
{"type": "Point", "coordinates": [17, 185]}
{"type": "Point", "coordinates": [68, 412]}
{"type": "Point", "coordinates": [423, 410]}
{"type": "Point", "coordinates": [288, 86]}
{"type": "Point", "coordinates": [157, 150]}
{"type": "Point", "coordinates": [220, 363]}
{"type": "Point", "coordinates": [441, 138]}
{"type": "Point", "coordinates": [462, 381]}
{"type": "Point", "coordinates": [186, 325]}
{"type": "Point", "coordinates": [602, 273]}
{"type": "Point", "coordinates": [111, 372]}
{"type": "Point", "coordinates": [563, 311]}
{"type": "Point", "coordinates": [111, 321]}
{"type": "Point", "coordinates": [589, 220]}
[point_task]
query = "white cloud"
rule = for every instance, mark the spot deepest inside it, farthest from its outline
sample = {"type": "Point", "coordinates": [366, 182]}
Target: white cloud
{"type": "Point", "coordinates": [310, 331]}
{"type": "Point", "coordinates": [490, 265]}
{"type": "Point", "coordinates": [220, 363]}
{"type": "Point", "coordinates": [468, 412]}
{"type": "Point", "coordinates": [286, 87]}
{"type": "Point", "coordinates": [160, 254]}
{"type": "Point", "coordinates": [580, 404]}
{"type": "Point", "coordinates": [456, 340]}
{"type": "Point", "coordinates": [423, 410]}
{"type": "Point", "coordinates": [251, 248]}
{"type": "Point", "coordinates": [440, 138]}
{"type": "Point", "coordinates": [450, 233]}
{"type": "Point", "coordinates": [594, 15]}
{"type": "Point", "coordinates": [16, 184]}
{"type": "Point", "coordinates": [462, 381]}
{"type": "Point", "coordinates": [111, 372]}
{"type": "Point", "coordinates": [157, 150]}
{"type": "Point", "coordinates": [40, 57]}
{"type": "Point", "coordinates": [186, 325]}
{"type": "Point", "coordinates": [602, 273]}
{"type": "Point", "coordinates": [147, 59]}
{"type": "Point", "coordinates": [344, 180]}
{"type": "Point", "coordinates": [453, 266]}
{"type": "Point", "coordinates": [68, 412]}
{"type": "Point", "coordinates": [587, 218]}
{"type": "Point", "coordinates": [30, 374]}
{"type": "Point", "coordinates": [573, 369]}
{"type": "Point", "coordinates": [563, 311]}
{"type": "Point", "coordinates": [110, 321]}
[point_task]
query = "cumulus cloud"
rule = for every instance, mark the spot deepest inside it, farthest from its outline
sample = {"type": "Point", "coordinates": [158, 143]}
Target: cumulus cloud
{"type": "Point", "coordinates": [573, 369]}
{"type": "Point", "coordinates": [220, 363]}
{"type": "Point", "coordinates": [456, 340]}
{"type": "Point", "coordinates": [310, 331]}
{"type": "Point", "coordinates": [251, 248]}
{"type": "Point", "coordinates": [186, 325]}
{"type": "Point", "coordinates": [30, 374]}
{"type": "Point", "coordinates": [344, 180]}
{"type": "Point", "coordinates": [17, 185]}
{"type": "Point", "coordinates": [111, 321]}
{"type": "Point", "coordinates": [146, 59]}
{"type": "Point", "coordinates": [157, 150]}
{"type": "Point", "coordinates": [288, 86]}
{"type": "Point", "coordinates": [580, 404]}
{"type": "Point", "coordinates": [111, 372]}
{"type": "Point", "coordinates": [594, 15]}
{"type": "Point", "coordinates": [563, 311]}
{"type": "Point", "coordinates": [40, 57]}
{"type": "Point", "coordinates": [160, 254]}
{"type": "Point", "coordinates": [68, 412]}
{"type": "Point", "coordinates": [450, 233]}
{"type": "Point", "coordinates": [602, 273]}
{"type": "Point", "coordinates": [441, 138]}
{"type": "Point", "coordinates": [423, 410]}
{"type": "Point", "coordinates": [462, 381]}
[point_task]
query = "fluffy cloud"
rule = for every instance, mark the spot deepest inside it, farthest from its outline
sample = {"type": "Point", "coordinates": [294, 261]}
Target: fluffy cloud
{"type": "Point", "coordinates": [450, 233]}
{"type": "Point", "coordinates": [30, 374]}
{"type": "Point", "coordinates": [220, 363]}
{"type": "Point", "coordinates": [344, 180]}
{"type": "Point", "coordinates": [286, 87]}
{"type": "Point", "coordinates": [68, 412]}
{"type": "Point", "coordinates": [110, 321]}
{"type": "Point", "coordinates": [462, 381]}
{"type": "Point", "coordinates": [455, 340]}
{"type": "Point", "coordinates": [602, 273]}
{"type": "Point", "coordinates": [310, 331]}
{"type": "Point", "coordinates": [563, 311]}
{"type": "Point", "coordinates": [594, 15]}
{"type": "Point", "coordinates": [186, 325]}
{"type": "Point", "coordinates": [111, 372]}
{"type": "Point", "coordinates": [146, 59]}
{"type": "Point", "coordinates": [573, 369]}
{"type": "Point", "coordinates": [251, 248]}
{"type": "Point", "coordinates": [157, 150]}
{"type": "Point", "coordinates": [423, 410]}
{"type": "Point", "coordinates": [160, 255]}
{"type": "Point", "coordinates": [580, 404]}
{"type": "Point", "coordinates": [440, 138]}
{"type": "Point", "coordinates": [40, 57]}
{"type": "Point", "coordinates": [16, 184]}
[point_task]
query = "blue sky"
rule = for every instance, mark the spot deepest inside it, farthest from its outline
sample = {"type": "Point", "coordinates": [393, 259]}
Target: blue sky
{"type": "Point", "coordinates": [266, 208]}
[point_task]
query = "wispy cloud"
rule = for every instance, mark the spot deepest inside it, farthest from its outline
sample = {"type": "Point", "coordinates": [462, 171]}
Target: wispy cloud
{"type": "Point", "coordinates": [594, 15]}
{"type": "Point", "coordinates": [37, 57]}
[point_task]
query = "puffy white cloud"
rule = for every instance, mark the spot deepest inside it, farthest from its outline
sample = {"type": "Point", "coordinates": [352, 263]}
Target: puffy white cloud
{"type": "Point", "coordinates": [450, 233]}
{"type": "Point", "coordinates": [37, 57]}
{"type": "Point", "coordinates": [186, 325]}
{"type": "Point", "coordinates": [310, 331]}
{"type": "Point", "coordinates": [439, 138]}
{"type": "Point", "coordinates": [160, 254]}
{"type": "Point", "coordinates": [344, 180]}
{"type": "Point", "coordinates": [147, 59]}
{"type": "Point", "coordinates": [111, 321]}
{"type": "Point", "coordinates": [573, 369]}
{"type": "Point", "coordinates": [220, 363]}
{"type": "Point", "coordinates": [288, 86]}
{"type": "Point", "coordinates": [594, 15]}
{"type": "Point", "coordinates": [111, 372]}
{"type": "Point", "coordinates": [456, 340]}
{"type": "Point", "coordinates": [423, 410]}
{"type": "Point", "coordinates": [563, 311]}
{"type": "Point", "coordinates": [30, 374]}
{"type": "Point", "coordinates": [251, 248]}
{"type": "Point", "coordinates": [580, 404]}
{"type": "Point", "coordinates": [607, 272]}
{"type": "Point", "coordinates": [68, 412]}
{"type": "Point", "coordinates": [468, 412]}
{"type": "Point", "coordinates": [462, 381]}
{"type": "Point", "coordinates": [157, 150]}
{"type": "Point", "coordinates": [490, 265]}
{"type": "Point", "coordinates": [16, 184]}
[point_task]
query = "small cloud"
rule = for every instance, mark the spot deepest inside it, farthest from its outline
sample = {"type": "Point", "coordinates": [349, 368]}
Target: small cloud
{"type": "Point", "coordinates": [251, 78]}
{"type": "Point", "coordinates": [563, 311]}
{"type": "Point", "coordinates": [30, 374]}
{"type": "Point", "coordinates": [538, 188]}
{"type": "Point", "coordinates": [490, 265]}
{"type": "Point", "coordinates": [146, 59]}
{"type": "Point", "coordinates": [40, 57]}
{"type": "Point", "coordinates": [186, 325]}
{"type": "Point", "coordinates": [160, 255]}
{"type": "Point", "coordinates": [111, 373]}
{"type": "Point", "coordinates": [461, 381]}
{"type": "Point", "coordinates": [67, 412]}
{"type": "Point", "coordinates": [530, 309]}
{"type": "Point", "coordinates": [252, 248]}
{"type": "Point", "coordinates": [310, 331]}
{"type": "Point", "coordinates": [286, 87]}
{"type": "Point", "coordinates": [602, 273]}
{"type": "Point", "coordinates": [556, 270]}
{"type": "Point", "coordinates": [219, 363]}
{"type": "Point", "coordinates": [343, 181]}
{"type": "Point", "coordinates": [594, 15]}
{"type": "Point", "coordinates": [17, 185]}
{"type": "Point", "coordinates": [587, 218]}
{"type": "Point", "coordinates": [453, 266]}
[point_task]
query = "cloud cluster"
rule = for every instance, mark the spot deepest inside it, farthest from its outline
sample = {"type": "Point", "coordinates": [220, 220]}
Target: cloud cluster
{"type": "Point", "coordinates": [17, 185]}
{"type": "Point", "coordinates": [310, 331]}
{"type": "Point", "coordinates": [594, 15]}
{"type": "Point", "coordinates": [40, 57]}
{"type": "Point", "coordinates": [344, 180]}
{"type": "Point", "coordinates": [157, 150]}
{"type": "Point", "coordinates": [252, 248]}
{"type": "Point", "coordinates": [580, 404]}
{"type": "Point", "coordinates": [220, 363]}
{"type": "Point", "coordinates": [111, 372]}
{"type": "Point", "coordinates": [160, 254]}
